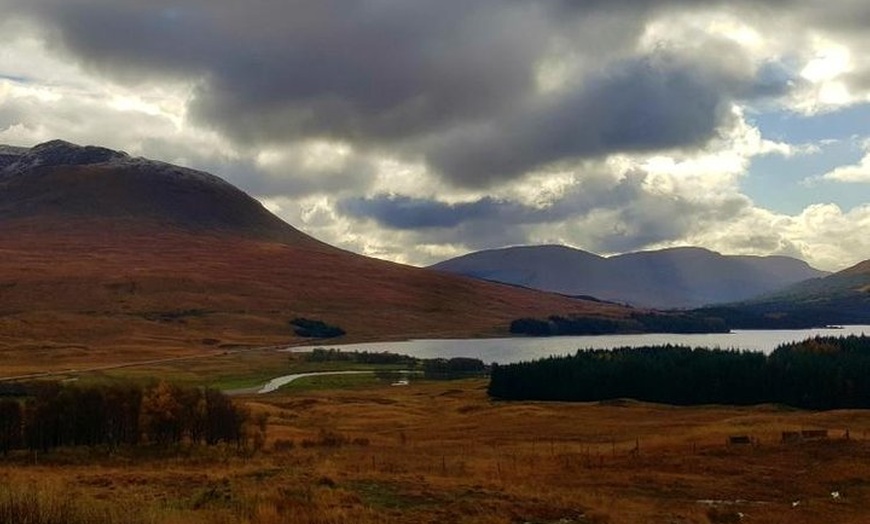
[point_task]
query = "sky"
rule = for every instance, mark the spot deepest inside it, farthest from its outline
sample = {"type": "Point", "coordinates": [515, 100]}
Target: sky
{"type": "Point", "coordinates": [420, 130]}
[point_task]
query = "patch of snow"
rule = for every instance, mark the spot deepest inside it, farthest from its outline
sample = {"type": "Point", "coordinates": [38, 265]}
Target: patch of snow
{"type": "Point", "coordinates": [59, 152]}
{"type": "Point", "coordinates": [170, 170]}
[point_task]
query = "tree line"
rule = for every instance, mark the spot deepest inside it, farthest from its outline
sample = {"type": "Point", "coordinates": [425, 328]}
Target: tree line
{"type": "Point", "coordinates": [453, 368]}
{"type": "Point", "coordinates": [635, 323]}
{"type": "Point", "coordinates": [847, 309]}
{"type": "Point", "coordinates": [53, 415]}
{"type": "Point", "coordinates": [432, 368]}
{"type": "Point", "coordinates": [359, 357]}
{"type": "Point", "coordinates": [819, 373]}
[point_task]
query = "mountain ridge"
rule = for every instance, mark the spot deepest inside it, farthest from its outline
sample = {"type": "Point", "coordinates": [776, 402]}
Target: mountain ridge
{"type": "Point", "coordinates": [681, 277]}
{"type": "Point", "coordinates": [61, 178]}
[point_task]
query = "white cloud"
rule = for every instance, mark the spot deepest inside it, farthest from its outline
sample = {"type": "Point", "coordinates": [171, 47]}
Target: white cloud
{"type": "Point", "coordinates": [822, 234]}
{"type": "Point", "coordinates": [856, 173]}
{"type": "Point", "coordinates": [830, 61]}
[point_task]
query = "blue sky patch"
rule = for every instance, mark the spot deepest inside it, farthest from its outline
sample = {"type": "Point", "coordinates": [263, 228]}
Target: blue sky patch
{"type": "Point", "coordinates": [785, 184]}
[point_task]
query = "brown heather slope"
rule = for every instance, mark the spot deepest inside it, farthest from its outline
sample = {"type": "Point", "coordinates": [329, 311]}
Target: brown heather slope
{"type": "Point", "coordinates": [861, 268]}
{"type": "Point", "coordinates": [124, 259]}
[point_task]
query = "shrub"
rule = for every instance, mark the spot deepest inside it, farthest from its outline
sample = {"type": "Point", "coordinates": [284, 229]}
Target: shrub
{"type": "Point", "coordinates": [309, 328]}
{"type": "Point", "coordinates": [283, 445]}
{"type": "Point", "coordinates": [458, 367]}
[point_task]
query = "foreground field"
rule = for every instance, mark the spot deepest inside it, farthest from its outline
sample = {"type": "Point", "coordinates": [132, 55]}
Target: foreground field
{"type": "Point", "coordinates": [443, 452]}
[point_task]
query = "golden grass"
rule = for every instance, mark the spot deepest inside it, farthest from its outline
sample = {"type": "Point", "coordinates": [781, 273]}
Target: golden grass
{"type": "Point", "coordinates": [48, 504]}
{"type": "Point", "coordinates": [443, 452]}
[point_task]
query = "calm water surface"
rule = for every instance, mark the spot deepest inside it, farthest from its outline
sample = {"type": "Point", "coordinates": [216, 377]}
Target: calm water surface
{"type": "Point", "coordinates": [507, 350]}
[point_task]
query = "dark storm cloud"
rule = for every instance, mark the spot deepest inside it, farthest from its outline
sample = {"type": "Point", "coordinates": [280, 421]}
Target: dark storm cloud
{"type": "Point", "coordinates": [403, 212]}
{"type": "Point", "coordinates": [451, 83]}
{"type": "Point", "coordinates": [653, 219]}
{"type": "Point", "coordinates": [640, 105]}
{"type": "Point", "coordinates": [281, 70]}
{"type": "Point", "coordinates": [649, 103]}
{"type": "Point", "coordinates": [479, 224]}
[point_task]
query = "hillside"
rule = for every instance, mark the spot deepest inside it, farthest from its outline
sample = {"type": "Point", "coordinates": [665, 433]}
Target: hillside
{"type": "Point", "coordinates": [58, 180]}
{"type": "Point", "coordinates": [669, 278]}
{"type": "Point", "coordinates": [841, 298]}
{"type": "Point", "coordinates": [109, 258]}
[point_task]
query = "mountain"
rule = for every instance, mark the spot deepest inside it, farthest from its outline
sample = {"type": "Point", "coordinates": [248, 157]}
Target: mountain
{"type": "Point", "coordinates": [58, 179]}
{"type": "Point", "coordinates": [669, 278]}
{"type": "Point", "coordinates": [106, 258]}
{"type": "Point", "coordinates": [841, 298]}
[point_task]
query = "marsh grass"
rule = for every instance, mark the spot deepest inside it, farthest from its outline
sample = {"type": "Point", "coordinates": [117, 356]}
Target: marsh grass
{"type": "Point", "coordinates": [331, 382]}
{"type": "Point", "coordinates": [31, 504]}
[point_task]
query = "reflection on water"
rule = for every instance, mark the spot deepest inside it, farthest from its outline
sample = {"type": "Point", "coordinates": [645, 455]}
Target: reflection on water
{"type": "Point", "coordinates": [507, 350]}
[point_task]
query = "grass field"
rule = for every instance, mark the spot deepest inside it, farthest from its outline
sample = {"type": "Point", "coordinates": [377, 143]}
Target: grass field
{"type": "Point", "coordinates": [443, 452]}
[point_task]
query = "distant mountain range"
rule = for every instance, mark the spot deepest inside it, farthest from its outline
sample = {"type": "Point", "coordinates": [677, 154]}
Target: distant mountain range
{"type": "Point", "coordinates": [669, 278]}
{"type": "Point", "coordinates": [103, 254]}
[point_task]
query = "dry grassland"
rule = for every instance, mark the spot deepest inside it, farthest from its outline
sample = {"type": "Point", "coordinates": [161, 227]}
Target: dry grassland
{"type": "Point", "coordinates": [443, 452]}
